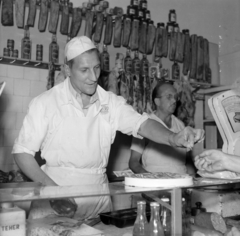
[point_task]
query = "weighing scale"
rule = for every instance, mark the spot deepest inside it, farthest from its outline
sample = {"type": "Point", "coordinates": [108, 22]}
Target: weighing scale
{"type": "Point", "coordinates": [225, 108]}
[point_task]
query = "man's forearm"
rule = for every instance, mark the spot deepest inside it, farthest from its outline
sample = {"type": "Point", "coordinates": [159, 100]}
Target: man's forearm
{"type": "Point", "coordinates": [137, 168]}
{"type": "Point", "coordinates": [30, 167]}
{"type": "Point", "coordinates": [232, 163]}
{"type": "Point", "coordinates": [156, 132]}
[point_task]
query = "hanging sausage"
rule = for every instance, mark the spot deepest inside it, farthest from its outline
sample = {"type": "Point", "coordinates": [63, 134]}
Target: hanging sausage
{"type": "Point", "coordinates": [108, 30]}
{"type": "Point", "coordinates": [151, 33]}
{"type": "Point", "coordinates": [76, 21]}
{"type": "Point", "coordinates": [98, 27]}
{"type": "Point", "coordinates": [193, 68]}
{"type": "Point", "coordinates": [7, 12]}
{"type": "Point", "coordinates": [180, 47]}
{"type": "Point", "coordinates": [159, 40]}
{"type": "Point", "coordinates": [65, 19]}
{"type": "Point", "coordinates": [206, 64]}
{"type": "Point", "coordinates": [199, 58]}
{"type": "Point", "coordinates": [89, 17]}
{"type": "Point", "coordinates": [137, 95]}
{"type": "Point", "coordinates": [172, 46]}
{"type": "Point", "coordinates": [20, 13]}
{"type": "Point", "coordinates": [127, 22]}
{"type": "Point", "coordinates": [117, 31]}
{"type": "Point", "coordinates": [134, 38]}
{"type": "Point", "coordinates": [128, 76]}
{"type": "Point", "coordinates": [32, 12]}
{"type": "Point", "coordinates": [43, 16]}
{"type": "Point", "coordinates": [54, 15]}
{"type": "Point", "coordinates": [143, 36]}
{"type": "Point", "coordinates": [187, 53]}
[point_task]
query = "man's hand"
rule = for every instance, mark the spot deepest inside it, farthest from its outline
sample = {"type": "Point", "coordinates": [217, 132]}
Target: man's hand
{"type": "Point", "coordinates": [64, 207]}
{"type": "Point", "coordinates": [211, 161]}
{"type": "Point", "coordinates": [234, 232]}
{"type": "Point", "coordinates": [187, 137]}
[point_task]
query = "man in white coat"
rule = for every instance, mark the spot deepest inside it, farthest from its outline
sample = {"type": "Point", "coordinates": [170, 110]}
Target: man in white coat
{"type": "Point", "coordinates": [149, 156]}
{"type": "Point", "coordinates": [74, 125]}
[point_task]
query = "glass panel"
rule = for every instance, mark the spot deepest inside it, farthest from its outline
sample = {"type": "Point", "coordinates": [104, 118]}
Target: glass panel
{"type": "Point", "coordinates": [33, 191]}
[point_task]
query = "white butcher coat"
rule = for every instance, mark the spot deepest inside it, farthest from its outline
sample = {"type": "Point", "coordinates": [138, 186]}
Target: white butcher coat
{"type": "Point", "coordinates": [76, 142]}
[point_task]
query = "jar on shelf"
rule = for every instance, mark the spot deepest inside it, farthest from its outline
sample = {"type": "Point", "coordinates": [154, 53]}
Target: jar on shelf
{"type": "Point", "coordinates": [172, 16]}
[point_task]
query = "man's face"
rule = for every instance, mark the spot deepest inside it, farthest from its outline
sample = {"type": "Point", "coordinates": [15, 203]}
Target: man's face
{"type": "Point", "coordinates": [85, 72]}
{"type": "Point", "coordinates": [167, 99]}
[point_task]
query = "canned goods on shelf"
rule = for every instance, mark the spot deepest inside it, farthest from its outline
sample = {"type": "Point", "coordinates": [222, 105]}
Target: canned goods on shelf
{"type": "Point", "coordinates": [6, 52]}
{"type": "Point", "coordinates": [15, 53]}
{"type": "Point", "coordinates": [10, 44]}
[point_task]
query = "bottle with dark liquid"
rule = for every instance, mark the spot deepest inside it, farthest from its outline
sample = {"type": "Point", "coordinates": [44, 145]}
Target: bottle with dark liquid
{"type": "Point", "coordinates": [175, 71]}
{"type": "Point", "coordinates": [26, 44]}
{"type": "Point", "coordinates": [54, 50]}
{"type": "Point", "coordinates": [128, 62]}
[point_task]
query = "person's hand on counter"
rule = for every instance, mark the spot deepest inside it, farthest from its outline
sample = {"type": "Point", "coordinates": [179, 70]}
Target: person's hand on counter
{"type": "Point", "coordinates": [233, 232]}
{"type": "Point", "coordinates": [187, 137]}
{"type": "Point", "coordinates": [211, 161]}
{"type": "Point", "coordinates": [64, 207]}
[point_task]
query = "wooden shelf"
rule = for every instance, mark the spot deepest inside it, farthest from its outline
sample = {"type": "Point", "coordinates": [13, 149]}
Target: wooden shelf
{"type": "Point", "coordinates": [209, 121]}
{"type": "Point", "coordinates": [27, 63]}
{"type": "Point", "coordinates": [210, 91]}
{"type": "Point", "coordinates": [200, 85]}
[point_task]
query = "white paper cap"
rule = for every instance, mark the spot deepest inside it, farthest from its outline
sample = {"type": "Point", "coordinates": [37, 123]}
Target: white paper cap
{"type": "Point", "coordinates": [76, 46]}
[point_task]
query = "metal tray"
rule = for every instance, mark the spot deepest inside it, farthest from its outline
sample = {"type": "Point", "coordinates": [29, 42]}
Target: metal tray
{"type": "Point", "coordinates": [121, 218]}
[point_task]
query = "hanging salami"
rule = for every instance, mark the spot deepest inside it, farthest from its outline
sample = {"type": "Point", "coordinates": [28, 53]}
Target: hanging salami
{"type": "Point", "coordinates": [65, 20]}
{"type": "Point", "coordinates": [108, 30]}
{"type": "Point", "coordinates": [89, 24]}
{"type": "Point", "coordinates": [98, 27]}
{"type": "Point", "coordinates": [43, 16]}
{"type": "Point", "coordinates": [206, 64]}
{"type": "Point", "coordinates": [127, 24]}
{"type": "Point", "coordinates": [134, 38]}
{"type": "Point", "coordinates": [32, 12]}
{"type": "Point", "coordinates": [117, 31]}
{"type": "Point", "coordinates": [143, 37]}
{"type": "Point", "coordinates": [76, 21]}
{"type": "Point", "coordinates": [200, 58]}
{"type": "Point", "coordinates": [7, 13]}
{"type": "Point", "coordinates": [151, 33]}
{"type": "Point", "coordinates": [193, 68]}
{"type": "Point", "coordinates": [180, 47]}
{"type": "Point", "coordinates": [54, 15]}
{"type": "Point", "coordinates": [187, 54]}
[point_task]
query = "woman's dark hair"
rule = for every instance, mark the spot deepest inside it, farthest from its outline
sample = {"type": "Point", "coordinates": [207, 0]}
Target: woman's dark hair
{"type": "Point", "coordinates": [155, 92]}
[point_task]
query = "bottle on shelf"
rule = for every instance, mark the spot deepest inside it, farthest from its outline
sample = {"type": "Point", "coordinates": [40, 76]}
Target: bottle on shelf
{"type": "Point", "coordinates": [104, 58]}
{"type": "Point", "coordinates": [143, 5]}
{"type": "Point", "coordinates": [128, 62]}
{"type": "Point", "coordinates": [140, 227]}
{"type": "Point", "coordinates": [26, 44]}
{"type": "Point", "coordinates": [54, 50]}
{"type": "Point", "coordinates": [144, 65]}
{"type": "Point", "coordinates": [134, 3]}
{"type": "Point", "coordinates": [155, 226]}
{"type": "Point", "coordinates": [136, 64]}
{"type": "Point", "coordinates": [166, 217]}
{"type": "Point", "coordinates": [175, 71]}
{"type": "Point", "coordinates": [39, 52]}
{"type": "Point", "coordinates": [172, 16]}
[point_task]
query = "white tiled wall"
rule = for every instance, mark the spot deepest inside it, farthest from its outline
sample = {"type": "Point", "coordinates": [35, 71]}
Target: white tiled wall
{"type": "Point", "coordinates": [22, 84]}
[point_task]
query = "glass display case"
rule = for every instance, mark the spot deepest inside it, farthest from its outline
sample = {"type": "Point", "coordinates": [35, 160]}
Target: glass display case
{"type": "Point", "coordinates": [20, 192]}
